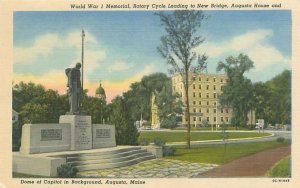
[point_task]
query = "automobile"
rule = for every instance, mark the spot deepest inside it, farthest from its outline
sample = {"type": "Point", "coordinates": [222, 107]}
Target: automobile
{"type": "Point", "coordinates": [148, 128]}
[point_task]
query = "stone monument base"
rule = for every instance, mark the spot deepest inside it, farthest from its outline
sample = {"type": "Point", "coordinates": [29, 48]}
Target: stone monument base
{"type": "Point", "coordinates": [45, 164]}
{"type": "Point", "coordinates": [81, 131]}
{"type": "Point", "coordinates": [42, 138]}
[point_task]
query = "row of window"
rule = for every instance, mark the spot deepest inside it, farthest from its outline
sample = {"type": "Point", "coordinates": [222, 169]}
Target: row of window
{"type": "Point", "coordinates": [214, 95]}
{"type": "Point", "coordinates": [207, 87]}
{"type": "Point", "coordinates": [200, 79]}
{"type": "Point", "coordinates": [215, 110]}
{"type": "Point", "coordinates": [226, 119]}
{"type": "Point", "coordinates": [200, 87]}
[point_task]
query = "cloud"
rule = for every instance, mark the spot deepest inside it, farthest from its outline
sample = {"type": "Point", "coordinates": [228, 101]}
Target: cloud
{"type": "Point", "coordinates": [48, 44]}
{"type": "Point", "coordinates": [119, 66]}
{"type": "Point", "coordinates": [57, 80]}
{"type": "Point", "coordinates": [253, 43]}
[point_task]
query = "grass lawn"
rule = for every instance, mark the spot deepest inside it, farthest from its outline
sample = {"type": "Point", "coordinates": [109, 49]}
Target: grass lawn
{"type": "Point", "coordinates": [21, 175]}
{"type": "Point", "coordinates": [196, 136]}
{"type": "Point", "coordinates": [209, 128]}
{"type": "Point", "coordinates": [281, 169]}
{"type": "Point", "coordinates": [216, 154]}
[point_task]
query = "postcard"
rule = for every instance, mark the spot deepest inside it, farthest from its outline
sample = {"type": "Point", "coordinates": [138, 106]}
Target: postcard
{"type": "Point", "coordinates": [101, 93]}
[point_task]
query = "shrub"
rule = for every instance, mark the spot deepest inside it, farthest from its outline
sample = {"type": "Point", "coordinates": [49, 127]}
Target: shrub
{"type": "Point", "coordinates": [159, 142]}
{"type": "Point", "coordinates": [280, 139]}
{"type": "Point", "coordinates": [144, 142]}
{"type": "Point", "coordinates": [169, 150]}
{"type": "Point", "coordinates": [66, 171]}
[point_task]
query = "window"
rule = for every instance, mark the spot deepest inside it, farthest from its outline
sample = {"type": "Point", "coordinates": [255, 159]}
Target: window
{"type": "Point", "coordinates": [199, 102]}
{"type": "Point", "coordinates": [215, 111]}
{"type": "Point", "coordinates": [215, 95]}
{"type": "Point", "coordinates": [200, 119]}
{"type": "Point", "coordinates": [194, 94]}
{"type": "Point", "coordinates": [194, 86]}
{"type": "Point", "coordinates": [221, 79]}
{"type": "Point", "coordinates": [194, 110]}
{"type": "Point", "coordinates": [207, 119]}
{"type": "Point", "coordinates": [199, 79]}
{"type": "Point", "coordinates": [226, 110]}
{"type": "Point", "coordinates": [226, 119]}
{"type": "Point", "coordinates": [207, 103]}
{"type": "Point", "coordinates": [215, 119]}
{"type": "Point", "coordinates": [207, 87]}
{"type": "Point", "coordinates": [200, 95]}
{"type": "Point", "coordinates": [215, 87]}
{"type": "Point", "coordinates": [221, 110]}
{"type": "Point", "coordinates": [222, 88]}
{"type": "Point", "coordinates": [194, 102]}
{"type": "Point", "coordinates": [207, 79]}
{"type": "Point", "coordinates": [214, 79]}
{"type": "Point", "coordinates": [200, 110]}
{"type": "Point", "coordinates": [215, 103]}
{"type": "Point", "coordinates": [222, 119]}
{"type": "Point", "coordinates": [194, 118]}
{"type": "Point", "coordinates": [207, 95]}
{"type": "Point", "coordinates": [207, 110]}
{"type": "Point", "coordinates": [199, 86]}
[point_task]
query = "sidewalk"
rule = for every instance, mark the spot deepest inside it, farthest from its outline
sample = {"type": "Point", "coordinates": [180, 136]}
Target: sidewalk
{"type": "Point", "coordinates": [255, 165]}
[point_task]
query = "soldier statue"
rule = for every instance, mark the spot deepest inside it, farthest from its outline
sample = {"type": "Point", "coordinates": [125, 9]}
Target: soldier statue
{"type": "Point", "coordinates": [75, 89]}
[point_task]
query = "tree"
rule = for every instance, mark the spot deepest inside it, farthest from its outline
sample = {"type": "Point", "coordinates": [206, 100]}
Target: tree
{"type": "Point", "coordinates": [126, 132]}
{"type": "Point", "coordinates": [169, 106]}
{"type": "Point", "coordinates": [178, 44]}
{"type": "Point", "coordinates": [238, 92]}
{"type": "Point", "coordinates": [273, 99]}
{"type": "Point", "coordinates": [138, 98]}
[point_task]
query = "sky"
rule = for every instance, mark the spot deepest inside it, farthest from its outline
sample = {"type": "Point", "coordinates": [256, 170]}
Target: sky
{"type": "Point", "coordinates": [121, 46]}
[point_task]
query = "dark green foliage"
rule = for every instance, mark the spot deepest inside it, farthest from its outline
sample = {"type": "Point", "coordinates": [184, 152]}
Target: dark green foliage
{"type": "Point", "coordinates": [159, 142]}
{"type": "Point", "coordinates": [144, 142]}
{"type": "Point", "coordinates": [16, 136]}
{"type": "Point", "coordinates": [238, 92]}
{"type": "Point", "coordinates": [66, 171]}
{"type": "Point", "coordinates": [169, 106]}
{"type": "Point", "coordinates": [205, 123]}
{"type": "Point", "coordinates": [138, 98]}
{"type": "Point", "coordinates": [126, 132]}
{"type": "Point", "coordinates": [273, 99]}
{"type": "Point", "coordinates": [169, 150]}
{"type": "Point", "coordinates": [37, 105]}
{"type": "Point", "coordinates": [280, 139]}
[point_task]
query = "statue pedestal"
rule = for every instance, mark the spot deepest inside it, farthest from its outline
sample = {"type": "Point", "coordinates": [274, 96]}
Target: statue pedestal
{"type": "Point", "coordinates": [81, 131]}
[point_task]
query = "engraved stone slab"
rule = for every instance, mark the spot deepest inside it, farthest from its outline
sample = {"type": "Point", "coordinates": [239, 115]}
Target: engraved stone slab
{"type": "Point", "coordinates": [43, 138]}
{"type": "Point", "coordinates": [103, 136]}
{"type": "Point", "coordinates": [81, 131]}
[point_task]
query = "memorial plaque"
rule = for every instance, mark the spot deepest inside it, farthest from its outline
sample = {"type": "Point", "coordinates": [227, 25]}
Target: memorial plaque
{"type": "Point", "coordinates": [51, 134]}
{"type": "Point", "coordinates": [102, 133]}
{"type": "Point", "coordinates": [81, 131]}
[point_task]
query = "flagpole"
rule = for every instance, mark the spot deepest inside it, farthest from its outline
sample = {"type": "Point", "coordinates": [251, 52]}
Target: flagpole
{"type": "Point", "coordinates": [82, 55]}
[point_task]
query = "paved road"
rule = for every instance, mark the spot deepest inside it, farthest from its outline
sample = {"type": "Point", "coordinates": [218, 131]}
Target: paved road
{"type": "Point", "coordinates": [276, 134]}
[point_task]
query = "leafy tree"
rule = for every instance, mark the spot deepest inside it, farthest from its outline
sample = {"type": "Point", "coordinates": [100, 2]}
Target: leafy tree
{"type": "Point", "coordinates": [238, 91]}
{"type": "Point", "coordinates": [169, 106]}
{"type": "Point", "coordinates": [178, 44]}
{"type": "Point", "coordinates": [126, 132]}
{"type": "Point", "coordinates": [273, 99]}
{"type": "Point", "coordinates": [138, 98]}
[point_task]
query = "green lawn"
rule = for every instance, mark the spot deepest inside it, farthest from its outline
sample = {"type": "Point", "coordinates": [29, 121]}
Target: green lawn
{"type": "Point", "coordinates": [216, 154]}
{"type": "Point", "coordinates": [196, 136]}
{"type": "Point", "coordinates": [281, 169]}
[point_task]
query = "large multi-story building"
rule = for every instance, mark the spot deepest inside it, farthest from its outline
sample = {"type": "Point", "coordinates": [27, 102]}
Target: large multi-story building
{"type": "Point", "coordinates": [203, 98]}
